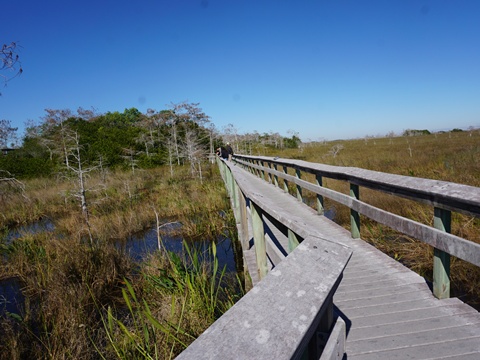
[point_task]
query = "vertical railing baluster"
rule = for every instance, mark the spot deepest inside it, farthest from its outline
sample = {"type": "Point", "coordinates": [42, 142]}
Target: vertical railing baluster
{"type": "Point", "coordinates": [285, 182]}
{"type": "Point", "coordinates": [259, 240]}
{"type": "Point", "coordinates": [275, 177]}
{"type": "Point", "coordinates": [298, 175]}
{"type": "Point", "coordinates": [269, 164]}
{"type": "Point", "coordinates": [244, 236]}
{"type": "Point", "coordinates": [262, 172]}
{"type": "Point", "coordinates": [441, 260]}
{"type": "Point", "coordinates": [354, 215]}
{"type": "Point", "coordinates": [320, 207]}
{"type": "Point", "coordinates": [292, 241]}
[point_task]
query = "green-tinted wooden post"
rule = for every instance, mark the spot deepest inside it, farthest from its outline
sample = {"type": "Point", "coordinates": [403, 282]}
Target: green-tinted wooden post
{"type": "Point", "coordinates": [259, 240]}
{"type": "Point", "coordinates": [262, 172]}
{"type": "Point", "coordinates": [269, 174]}
{"type": "Point", "coordinates": [245, 236]}
{"type": "Point", "coordinates": [275, 177]}
{"type": "Point", "coordinates": [298, 174]}
{"type": "Point", "coordinates": [285, 182]}
{"type": "Point", "coordinates": [354, 215]}
{"type": "Point", "coordinates": [235, 199]}
{"type": "Point", "coordinates": [292, 241]}
{"type": "Point", "coordinates": [441, 260]}
{"type": "Point", "coordinates": [257, 171]}
{"type": "Point", "coordinates": [320, 207]}
{"type": "Point", "coordinates": [228, 180]}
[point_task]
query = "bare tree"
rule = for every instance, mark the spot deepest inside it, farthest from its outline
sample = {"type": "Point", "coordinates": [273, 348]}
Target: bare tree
{"type": "Point", "coordinates": [335, 150]}
{"type": "Point", "coordinates": [195, 152]}
{"type": "Point", "coordinates": [130, 155]}
{"type": "Point", "coordinates": [77, 168]}
{"type": "Point", "coordinates": [10, 65]}
{"type": "Point", "coordinates": [7, 133]}
{"type": "Point", "coordinates": [55, 133]}
{"type": "Point", "coordinates": [9, 185]}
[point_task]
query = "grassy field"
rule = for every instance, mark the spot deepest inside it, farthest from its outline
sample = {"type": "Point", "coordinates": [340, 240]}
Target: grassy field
{"type": "Point", "coordinates": [453, 156]}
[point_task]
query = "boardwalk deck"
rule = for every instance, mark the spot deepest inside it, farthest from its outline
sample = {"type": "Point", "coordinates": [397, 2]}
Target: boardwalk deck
{"type": "Point", "coordinates": [389, 310]}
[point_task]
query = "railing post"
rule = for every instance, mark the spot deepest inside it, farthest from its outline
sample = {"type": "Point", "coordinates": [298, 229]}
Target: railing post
{"type": "Point", "coordinates": [268, 174]}
{"type": "Point", "coordinates": [275, 177]}
{"type": "Point", "coordinates": [257, 171]}
{"type": "Point", "coordinates": [320, 207]}
{"type": "Point", "coordinates": [298, 175]}
{"type": "Point", "coordinates": [441, 260]}
{"type": "Point", "coordinates": [242, 211]}
{"type": "Point", "coordinates": [262, 172]}
{"type": "Point", "coordinates": [292, 241]}
{"type": "Point", "coordinates": [354, 215]}
{"type": "Point", "coordinates": [259, 240]}
{"type": "Point", "coordinates": [235, 200]}
{"type": "Point", "coordinates": [230, 180]}
{"type": "Point", "coordinates": [285, 182]}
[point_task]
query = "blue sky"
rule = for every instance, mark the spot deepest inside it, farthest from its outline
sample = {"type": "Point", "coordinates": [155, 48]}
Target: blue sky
{"type": "Point", "coordinates": [323, 69]}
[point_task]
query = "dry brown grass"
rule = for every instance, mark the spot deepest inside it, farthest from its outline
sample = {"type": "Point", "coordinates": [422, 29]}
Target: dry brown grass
{"type": "Point", "coordinates": [68, 282]}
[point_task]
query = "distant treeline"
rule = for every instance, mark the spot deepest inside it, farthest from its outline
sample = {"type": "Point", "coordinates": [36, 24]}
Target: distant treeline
{"type": "Point", "coordinates": [182, 134]}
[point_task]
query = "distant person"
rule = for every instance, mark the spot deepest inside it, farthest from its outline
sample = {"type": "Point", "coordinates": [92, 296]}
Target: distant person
{"type": "Point", "coordinates": [229, 151]}
{"type": "Point", "coordinates": [222, 152]}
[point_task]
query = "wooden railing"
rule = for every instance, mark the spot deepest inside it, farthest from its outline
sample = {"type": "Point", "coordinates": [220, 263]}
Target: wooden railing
{"type": "Point", "coordinates": [445, 197]}
{"type": "Point", "coordinates": [289, 314]}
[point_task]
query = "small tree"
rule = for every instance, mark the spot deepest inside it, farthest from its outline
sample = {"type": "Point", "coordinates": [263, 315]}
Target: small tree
{"type": "Point", "coordinates": [77, 168]}
{"type": "Point", "coordinates": [7, 133]}
{"type": "Point", "coordinates": [10, 65]}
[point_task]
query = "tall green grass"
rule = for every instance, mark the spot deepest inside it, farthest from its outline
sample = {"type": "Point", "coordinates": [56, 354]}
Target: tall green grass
{"type": "Point", "coordinates": [196, 292]}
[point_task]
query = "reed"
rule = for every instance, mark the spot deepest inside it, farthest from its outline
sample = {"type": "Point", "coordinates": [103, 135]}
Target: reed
{"type": "Point", "coordinates": [196, 294]}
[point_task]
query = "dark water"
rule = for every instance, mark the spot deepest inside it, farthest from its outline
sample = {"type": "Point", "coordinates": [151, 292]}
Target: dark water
{"type": "Point", "coordinates": [144, 243]}
{"type": "Point", "coordinates": [138, 246]}
{"type": "Point", "coordinates": [11, 297]}
{"type": "Point", "coordinates": [44, 225]}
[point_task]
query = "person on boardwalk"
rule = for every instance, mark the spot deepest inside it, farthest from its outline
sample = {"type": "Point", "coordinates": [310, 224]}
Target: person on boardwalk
{"type": "Point", "coordinates": [229, 151]}
{"type": "Point", "coordinates": [222, 152]}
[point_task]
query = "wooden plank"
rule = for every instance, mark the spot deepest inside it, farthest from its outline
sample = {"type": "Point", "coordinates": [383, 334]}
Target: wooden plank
{"type": "Point", "coordinates": [378, 331]}
{"type": "Point", "coordinates": [458, 349]}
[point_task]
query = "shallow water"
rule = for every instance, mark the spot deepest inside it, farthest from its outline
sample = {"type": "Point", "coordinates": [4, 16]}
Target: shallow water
{"type": "Point", "coordinates": [138, 246]}
{"type": "Point", "coordinates": [44, 225]}
{"type": "Point", "coordinates": [141, 244]}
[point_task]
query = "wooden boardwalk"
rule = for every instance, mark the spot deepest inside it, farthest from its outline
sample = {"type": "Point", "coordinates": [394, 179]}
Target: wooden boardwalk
{"type": "Point", "coordinates": [389, 310]}
{"type": "Point", "coordinates": [391, 313]}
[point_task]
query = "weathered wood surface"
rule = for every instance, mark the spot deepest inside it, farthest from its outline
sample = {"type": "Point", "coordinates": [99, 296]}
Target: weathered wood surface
{"type": "Point", "coordinates": [389, 310]}
{"type": "Point", "coordinates": [392, 314]}
{"type": "Point", "coordinates": [276, 319]}
{"type": "Point", "coordinates": [462, 198]}
{"type": "Point", "coordinates": [454, 245]}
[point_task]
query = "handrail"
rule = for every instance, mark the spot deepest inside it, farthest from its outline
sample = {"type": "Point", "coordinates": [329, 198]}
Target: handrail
{"type": "Point", "coordinates": [443, 196]}
{"type": "Point", "coordinates": [282, 316]}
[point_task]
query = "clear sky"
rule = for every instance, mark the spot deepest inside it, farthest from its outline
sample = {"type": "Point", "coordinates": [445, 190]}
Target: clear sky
{"type": "Point", "coordinates": [324, 69]}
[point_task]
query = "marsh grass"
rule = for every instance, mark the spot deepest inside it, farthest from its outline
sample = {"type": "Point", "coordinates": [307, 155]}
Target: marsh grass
{"type": "Point", "coordinates": [181, 297]}
{"type": "Point", "coordinates": [70, 284]}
